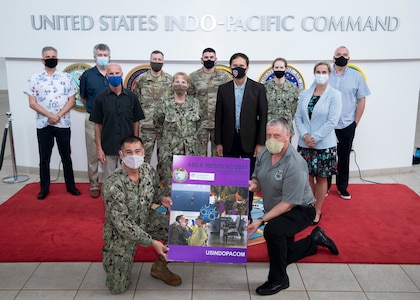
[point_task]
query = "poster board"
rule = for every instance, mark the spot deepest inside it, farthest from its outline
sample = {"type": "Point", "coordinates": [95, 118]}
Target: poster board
{"type": "Point", "coordinates": [211, 195]}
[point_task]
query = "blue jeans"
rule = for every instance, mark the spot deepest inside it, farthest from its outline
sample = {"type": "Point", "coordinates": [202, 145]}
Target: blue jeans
{"type": "Point", "coordinates": [46, 137]}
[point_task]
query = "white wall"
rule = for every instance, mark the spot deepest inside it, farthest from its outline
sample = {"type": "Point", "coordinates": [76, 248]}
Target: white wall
{"type": "Point", "coordinates": [241, 27]}
{"type": "Point", "coordinates": [390, 59]}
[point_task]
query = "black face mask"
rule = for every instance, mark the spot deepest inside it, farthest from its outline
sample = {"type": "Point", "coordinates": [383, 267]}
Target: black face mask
{"type": "Point", "coordinates": [156, 66]}
{"type": "Point", "coordinates": [341, 61]}
{"type": "Point", "coordinates": [279, 74]}
{"type": "Point", "coordinates": [208, 64]}
{"type": "Point", "coordinates": [238, 72]}
{"type": "Point", "coordinates": [51, 62]}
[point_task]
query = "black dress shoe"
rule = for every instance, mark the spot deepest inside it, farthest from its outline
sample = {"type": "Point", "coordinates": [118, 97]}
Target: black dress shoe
{"type": "Point", "coordinates": [269, 288]}
{"type": "Point", "coordinates": [73, 191]}
{"type": "Point", "coordinates": [321, 239]}
{"type": "Point", "coordinates": [42, 195]}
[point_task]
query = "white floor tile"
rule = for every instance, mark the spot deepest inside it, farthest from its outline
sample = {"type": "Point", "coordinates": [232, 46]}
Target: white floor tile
{"type": "Point", "coordinates": [337, 295]}
{"type": "Point", "coordinates": [103, 295]}
{"type": "Point", "coordinates": [413, 271]}
{"type": "Point", "coordinates": [328, 277]}
{"type": "Point", "coordinates": [46, 295]}
{"type": "Point", "coordinates": [220, 277]}
{"type": "Point", "coordinates": [8, 295]}
{"type": "Point", "coordinates": [383, 278]}
{"type": "Point", "coordinates": [57, 276]}
{"type": "Point", "coordinates": [13, 276]}
{"type": "Point", "coordinates": [393, 296]}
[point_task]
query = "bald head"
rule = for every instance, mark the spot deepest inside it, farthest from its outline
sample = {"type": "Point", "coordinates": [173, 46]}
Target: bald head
{"type": "Point", "coordinates": [114, 69]}
{"type": "Point", "coordinates": [342, 51]}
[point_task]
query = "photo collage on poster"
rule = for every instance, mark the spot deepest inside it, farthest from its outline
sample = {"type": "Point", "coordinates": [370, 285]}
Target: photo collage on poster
{"type": "Point", "coordinates": [209, 213]}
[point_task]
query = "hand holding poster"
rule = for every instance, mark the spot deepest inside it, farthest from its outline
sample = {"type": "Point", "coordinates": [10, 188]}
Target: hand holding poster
{"type": "Point", "coordinates": [209, 214]}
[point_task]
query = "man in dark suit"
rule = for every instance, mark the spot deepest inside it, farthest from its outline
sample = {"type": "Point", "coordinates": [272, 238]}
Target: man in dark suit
{"type": "Point", "coordinates": [241, 115]}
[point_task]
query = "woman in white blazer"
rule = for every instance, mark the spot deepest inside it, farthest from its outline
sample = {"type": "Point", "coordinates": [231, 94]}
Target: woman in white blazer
{"type": "Point", "coordinates": [318, 112]}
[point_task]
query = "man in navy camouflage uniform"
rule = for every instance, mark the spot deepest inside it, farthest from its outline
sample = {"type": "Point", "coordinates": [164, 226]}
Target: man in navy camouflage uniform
{"type": "Point", "coordinates": [129, 193]}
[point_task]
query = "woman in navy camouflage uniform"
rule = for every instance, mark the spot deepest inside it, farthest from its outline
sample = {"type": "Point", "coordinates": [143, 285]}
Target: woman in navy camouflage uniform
{"type": "Point", "coordinates": [180, 117]}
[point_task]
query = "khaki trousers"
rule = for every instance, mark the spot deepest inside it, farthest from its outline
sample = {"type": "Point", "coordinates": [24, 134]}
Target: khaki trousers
{"type": "Point", "coordinates": [92, 159]}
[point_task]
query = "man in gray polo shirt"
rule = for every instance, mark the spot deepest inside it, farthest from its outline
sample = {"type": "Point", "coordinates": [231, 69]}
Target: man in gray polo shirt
{"type": "Point", "coordinates": [282, 175]}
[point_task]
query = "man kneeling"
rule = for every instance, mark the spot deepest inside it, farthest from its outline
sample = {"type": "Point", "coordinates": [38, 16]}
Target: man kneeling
{"type": "Point", "coordinates": [282, 175]}
{"type": "Point", "coordinates": [130, 220]}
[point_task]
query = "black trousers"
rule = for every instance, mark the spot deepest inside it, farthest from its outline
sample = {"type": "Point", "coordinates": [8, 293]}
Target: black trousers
{"type": "Point", "coordinates": [238, 151]}
{"type": "Point", "coordinates": [345, 138]}
{"type": "Point", "coordinates": [279, 234]}
{"type": "Point", "coordinates": [46, 137]}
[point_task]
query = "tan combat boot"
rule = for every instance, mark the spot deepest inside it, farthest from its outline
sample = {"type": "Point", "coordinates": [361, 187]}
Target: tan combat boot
{"type": "Point", "coordinates": [160, 271]}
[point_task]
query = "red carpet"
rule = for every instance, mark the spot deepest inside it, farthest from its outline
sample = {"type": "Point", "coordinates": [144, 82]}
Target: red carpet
{"type": "Point", "coordinates": [379, 225]}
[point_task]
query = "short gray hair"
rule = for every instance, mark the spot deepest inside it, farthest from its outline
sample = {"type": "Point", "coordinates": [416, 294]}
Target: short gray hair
{"type": "Point", "coordinates": [102, 47]}
{"type": "Point", "coordinates": [282, 122]}
{"type": "Point", "coordinates": [344, 47]}
{"type": "Point", "coordinates": [47, 48]}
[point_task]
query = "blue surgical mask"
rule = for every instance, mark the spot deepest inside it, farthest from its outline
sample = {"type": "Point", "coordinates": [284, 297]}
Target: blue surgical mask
{"type": "Point", "coordinates": [115, 80]}
{"type": "Point", "coordinates": [102, 61]}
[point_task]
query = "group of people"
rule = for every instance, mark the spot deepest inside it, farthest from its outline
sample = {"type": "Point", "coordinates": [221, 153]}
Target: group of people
{"type": "Point", "coordinates": [180, 233]}
{"type": "Point", "coordinates": [181, 114]}
{"type": "Point", "coordinates": [294, 183]}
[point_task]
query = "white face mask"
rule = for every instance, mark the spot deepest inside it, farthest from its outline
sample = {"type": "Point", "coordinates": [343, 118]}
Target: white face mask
{"type": "Point", "coordinates": [321, 78]}
{"type": "Point", "coordinates": [133, 161]}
